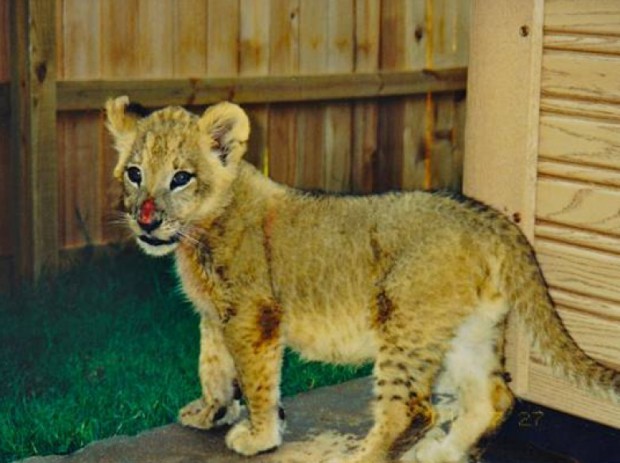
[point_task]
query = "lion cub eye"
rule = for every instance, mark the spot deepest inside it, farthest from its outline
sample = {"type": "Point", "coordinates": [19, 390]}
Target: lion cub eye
{"type": "Point", "coordinates": [134, 175]}
{"type": "Point", "coordinates": [180, 179]}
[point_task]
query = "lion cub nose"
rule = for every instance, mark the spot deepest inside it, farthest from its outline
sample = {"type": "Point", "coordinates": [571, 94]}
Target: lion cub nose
{"type": "Point", "coordinates": [147, 219]}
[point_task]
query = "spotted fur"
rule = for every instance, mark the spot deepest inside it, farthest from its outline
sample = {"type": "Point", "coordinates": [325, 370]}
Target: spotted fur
{"type": "Point", "coordinates": [419, 283]}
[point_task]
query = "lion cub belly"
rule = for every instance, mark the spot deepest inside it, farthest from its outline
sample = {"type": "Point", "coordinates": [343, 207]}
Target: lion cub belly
{"type": "Point", "coordinates": [337, 337]}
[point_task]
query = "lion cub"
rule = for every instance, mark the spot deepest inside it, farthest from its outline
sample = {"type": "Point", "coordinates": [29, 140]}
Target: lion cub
{"type": "Point", "coordinates": [419, 283]}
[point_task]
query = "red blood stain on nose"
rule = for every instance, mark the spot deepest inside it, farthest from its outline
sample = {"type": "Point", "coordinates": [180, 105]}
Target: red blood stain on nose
{"type": "Point", "coordinates": [147, 211]}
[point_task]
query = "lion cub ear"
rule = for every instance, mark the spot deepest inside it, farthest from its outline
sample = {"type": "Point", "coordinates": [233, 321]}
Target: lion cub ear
{"type": "Point", "coordinates": [227, 129]}
{"type": "Point", "coordinates": [122, 125]}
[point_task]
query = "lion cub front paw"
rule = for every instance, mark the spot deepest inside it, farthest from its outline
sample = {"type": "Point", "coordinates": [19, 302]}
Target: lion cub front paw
{"type": "Point", "coordinates": [198, 414]}
{"type": "Point", "coordinates": [244, 439]}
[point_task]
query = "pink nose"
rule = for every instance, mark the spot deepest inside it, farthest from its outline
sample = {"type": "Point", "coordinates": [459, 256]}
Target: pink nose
{"type": "Point", "coordinates": [147, 212]}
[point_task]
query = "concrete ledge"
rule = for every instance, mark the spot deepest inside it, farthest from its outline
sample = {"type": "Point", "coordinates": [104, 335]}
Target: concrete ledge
{"type": "Point", "coordinates": [322, 425]}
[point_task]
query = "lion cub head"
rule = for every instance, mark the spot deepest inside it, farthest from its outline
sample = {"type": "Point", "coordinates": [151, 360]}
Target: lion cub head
{"type": "Point", "coordinates": [176, 168]}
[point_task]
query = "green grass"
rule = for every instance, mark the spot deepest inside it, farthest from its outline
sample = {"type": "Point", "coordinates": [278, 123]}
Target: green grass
{"type": "Point", "coordinates": [107, 348]}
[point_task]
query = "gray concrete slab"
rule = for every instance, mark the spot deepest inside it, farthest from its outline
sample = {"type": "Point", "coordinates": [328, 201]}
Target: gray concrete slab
{"type": "Point", "coordinates": [321, 425]}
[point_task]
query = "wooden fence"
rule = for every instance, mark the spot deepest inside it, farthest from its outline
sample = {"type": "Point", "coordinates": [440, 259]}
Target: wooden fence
{"type": "Point", "coordinates": [344, 95]}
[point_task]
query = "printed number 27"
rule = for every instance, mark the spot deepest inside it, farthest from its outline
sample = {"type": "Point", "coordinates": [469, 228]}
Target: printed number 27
{"type": "Point", "coordinates": [530, 419]}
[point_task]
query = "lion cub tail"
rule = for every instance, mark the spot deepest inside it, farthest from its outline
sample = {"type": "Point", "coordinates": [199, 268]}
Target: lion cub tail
{"type": "Point", "coordinates": [527, 293]}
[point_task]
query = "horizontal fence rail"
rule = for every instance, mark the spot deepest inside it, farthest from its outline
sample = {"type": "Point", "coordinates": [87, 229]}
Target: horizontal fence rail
{"type": "Point", "coordinates": [88, 95]}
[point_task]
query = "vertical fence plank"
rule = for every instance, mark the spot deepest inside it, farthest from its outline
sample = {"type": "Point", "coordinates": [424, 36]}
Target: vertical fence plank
{"type": "Point", "coordinates": [79, 154]}
{"type": "Point", "coordinates": [283, 60]}
{"type": "Point", "coordinates": [338, 117]}
{"type": "Point", "coordinates": [448, 33]}
{"type": "Point", "coordinates": [313, 21]}
{"type": "Point", "coordinates": [401, 161]}
{"type": "Point", "coordinates": [33, 136]}
{"type": "Point", "coordinates": [223, 38]}
{"type": "Point", "coordinates": [80, 40]}
{"type": "Point", "coordinates": [448, 46]}
{"type": "Point", "coordinates": [190, 39]}
{"type": "Point", "coordinates": [155, 39]}
{"type": "Point", "coordinates": [365, 114]}
{"type": "Point", "coordinates": [254, 61]}
{"type": "Point", "coordinates": [119, 53]}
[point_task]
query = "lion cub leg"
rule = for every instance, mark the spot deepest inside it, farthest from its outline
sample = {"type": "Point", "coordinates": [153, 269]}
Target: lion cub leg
{"type": "Point", "coordinates": [472, 374]}
{"type": "Point", "coordinates": [255, 342]}
{"type": "Point", "coordinates": [402, 409]}
{"type": "Point", "coordinates": [220, 401]}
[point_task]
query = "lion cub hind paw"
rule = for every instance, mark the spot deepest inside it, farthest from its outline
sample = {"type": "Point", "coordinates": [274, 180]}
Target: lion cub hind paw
{"type": "Point", "coordinates": [197, 414]}
{"type": "Point", "coordinates": [436, 451]}
{"type": "Point", "coordinates": [243, 439]}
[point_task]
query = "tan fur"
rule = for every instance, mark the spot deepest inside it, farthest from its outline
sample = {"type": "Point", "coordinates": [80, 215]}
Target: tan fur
{"type": "Point", "coordinates": [419, 283]}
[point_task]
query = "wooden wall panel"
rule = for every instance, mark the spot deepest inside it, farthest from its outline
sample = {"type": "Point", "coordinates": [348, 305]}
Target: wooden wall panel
{"type": "Point", "coordinates": [592, 16]}
{"type": "Point", "coordinates": [579, 205]}
{"type": "Point", "coordinates": [579, 140]}
{"type": "Point", "coordinates": [581, 75]}
{"type": "Point", "coordinates": [593, 323]}
{"type": "Point", "coordinates": [577, 233]}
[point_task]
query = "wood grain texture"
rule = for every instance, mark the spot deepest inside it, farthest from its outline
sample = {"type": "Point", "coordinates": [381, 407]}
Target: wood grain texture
{"type": "Point", "coordinates": [444, 169]}
{"type": "Point", "coordinates": [579, 108]}
{"type": "Point", "coordinates": [313, 59]}
{"type": "Point", "coordinates": [223, 38]}
{"type": "Point", "coordinates": [585, 238]}
{"type": "Point", "coordinates": [338, 117]}
{"type": "Point", "coordinates": [80, 202]}
{"type": "Point", "coordinates": [448, 29]}
{"type": "Point", "coordinates": [365, 114]}
{"type": "Point", "coordinates": [81, 58]}
{"type": "Point", "coordinates": [155, 40]}
{"type": "Point", "coordinates": [608, 44]}
{"type": "Point", "coordinates": [584, 271]}
{"type": "Point", "coordinates": [190, 40]}
{"type": "Point", "coordinates": [591, 16]}
{"type": "Point", "coordinates": [581, 75]}
{"type": "Point", "coordinates": [254, 61]}
{"type": "Point", "coordinates": [282, 132]}
{"type": "Point", "coordinates": [580, 141]}
{"type": "Point", "coordinates": [119, 51]}
{"type": "Point", "coordinates": [85, 95]}
{"type": "Point", "coordinates": [579, 173]}
{"type": "Point", "coordinates": [401, 157]}
{"type": "Point", "coordinates": [580, 205]}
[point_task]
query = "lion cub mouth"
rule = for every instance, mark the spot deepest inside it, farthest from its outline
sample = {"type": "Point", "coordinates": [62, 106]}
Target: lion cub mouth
{"type": "Point", "coordinates": [158, 242]}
